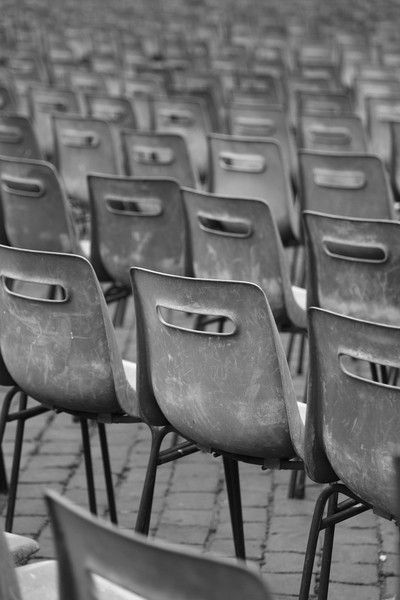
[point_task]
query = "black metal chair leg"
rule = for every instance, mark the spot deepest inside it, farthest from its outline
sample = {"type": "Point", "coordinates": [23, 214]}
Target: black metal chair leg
{"type": "Point", "coordinates": [290, 346]}
{"type": "Point", "coordinates": [313, 536]}
{"type": "Point", "coordinates": [112, 509]}
{"type": "Point", "coordinates": [88, 466]}
{"type": "Point", "coordinates": [327, 551]}
{"type": "Point", "coordinates": [300, 358]}
{"type": "Point", "coordinates": [297, 485]}
{"type": "Point", "coordinates": [120, 310]}
{"type": "Point", "coordinates": [3, 474]}
{"type": "Point", "coordinates": [5, 409]}
{"type": "Point", "coordinates": [231, 468]}
{"type": "Point", "coordinates": [12, 493]}
{"type": "Point", "coordinates": [146, 500]}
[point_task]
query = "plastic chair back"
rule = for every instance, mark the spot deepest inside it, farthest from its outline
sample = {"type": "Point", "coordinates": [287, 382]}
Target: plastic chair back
{"type": "Point", "coordinates": [62, 350]}
{"type": "Point", "coordinates": [93, 555]}
{"type": "Point", "coordinates": [334, 133]}
{"type": "Point", "coordinates": [253, 167]}
{"type": "Point", "coordinates": [352, 266]}
{"type": "Point", "coordinates": [83, 145]}
{"type": "Point", "coordinates": [35, 209]}
{"type": "Point", "coordinates": [44, 101]}
{"type": "Point", "coordinates": [352, 421]}
{"type": "Point", "coordinates": [236, 238]}
{"type": "Point", "coordinates": [198, 380]}
{"type": "Point", "coordinates": [17, 137]}
{"type": "Point", "coordinates": [348, 185]}
{"type": "Point", "coordinates": [158, 155]}
{"type": "Point", "coordinates": [137, 222]}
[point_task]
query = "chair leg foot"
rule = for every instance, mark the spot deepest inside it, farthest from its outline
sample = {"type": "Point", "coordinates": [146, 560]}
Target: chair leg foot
{"type": "Point", "coordinates": [112, 509]}
{"type": "Point", "coordinates": [146, 500]}
{"type": "Point", "coordinates": [231, 468]}
{"type": "Point", "coordinates": [313, 536]}
{"type": "Point", "coordinates": [326, 561]}
{"type": "Point", "coordinates": [87, 454]}
{"type": "Point", "coordinates": [19, 438]}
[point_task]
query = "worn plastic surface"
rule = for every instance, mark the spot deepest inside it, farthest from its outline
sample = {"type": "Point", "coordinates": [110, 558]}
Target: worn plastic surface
{"type": "Point", "coordinates": [93, 553]}
{"type": "Point", "coordinates": [352, 185]}
{"type": "Point", "coordinates": [253, 167]}
{"type": "Point", "coordinates": [38, 581]}
{"type": "Point", "coordinates": [158, 155]}
{"type": "Point", "coordinates": [61, 351]}
{"type": "Point", "coordinates": [36, 212]}
{"type": "Point", "coordinates": [137, 222]}
{"type": "Point", "coordinates": [353, 266]}
{"type": "Point", "coordinates": [17, 137]}
{"type": "Point", "coordinates": [353, 422]}
{"type": "Point", "coordinates": [21, 548]}
{"type": "Point", "coordinates": [83, 145]}
{"type": "Point", "coordinates": [236, 238]}
{"type": "Point", "coordinates": [228, 391]}
{"type": "Point", "coordinates": [336, 133]}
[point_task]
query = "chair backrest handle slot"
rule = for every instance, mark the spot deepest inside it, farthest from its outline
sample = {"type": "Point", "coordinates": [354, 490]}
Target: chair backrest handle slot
{"type": "Point", "coordinates": [22, 186]}
{"type": "Point", "coordinates": [239, 228]}
{"type": "Point", "coordinates": [342, 179]}
{"type": "Point", "coordinates": [245, 163]}
{"type": "Point", "coordinates": [365, 253]}
{"type": "Point", "coordinates": [151, 155]}
{"type": "Point", "coordinates": [32, 290]}
{"type": "Point", "coordinates": [136, 207]}
{"type": "Point", "coordinates": [174, 116]}
{"type": "Point", "coordinates": [168, 314]}
{"type": "Point", "coordinates": [10, 135]}
{"type": "Point", "coordinates": [264, 125]}
{"type": "Point", "coordinates": [79, 139]}
{"type": "Point", "coordinates": [338, 136]}
{"type": "Point", "coordinates": [361, 368]}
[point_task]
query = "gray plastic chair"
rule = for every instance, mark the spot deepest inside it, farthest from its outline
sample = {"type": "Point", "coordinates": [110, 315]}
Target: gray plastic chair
{"type": "Point", "coordinates": [351, 429]}
{"type": "Point", "coordinates": [92, 553]}
{"type": "Point", "coordinates": [69, 344]}
{"type": "Point", "coordinates": [228, 392]}
{"type": "Point", "coordinates": [252, 167]}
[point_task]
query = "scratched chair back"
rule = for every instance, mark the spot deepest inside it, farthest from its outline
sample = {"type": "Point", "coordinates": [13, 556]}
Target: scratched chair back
{"type": "Point", "coordinates": [352, 266]}
{"type": "Point", "coordinates": [253, 167]}
{"type": "Point", "coordinates": [17, 137]}
{"type": "Point", "coordinates": [335, 133]}
{"type": "Point", "coordinates": [62, 350]}
{"type": "Point", "coordinates": [351, 185]}
{"type": "Point", "coordinates": [137, 222]}
{"type": "Point", "coordinates": [36, 212]}
{"type": "Point", "coordinates": [83, 145]}
{"type": "Point", "coordinates": [96, 559]}
{"type": "Point", "coordinates": [353, 421]}
{"type": "Point", "coordinates": [149, 154]}
{"type": "Point", "coordinates": [201, 382]}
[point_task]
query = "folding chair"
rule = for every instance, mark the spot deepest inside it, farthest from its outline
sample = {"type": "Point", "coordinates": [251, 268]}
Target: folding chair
{"type": "Point", "coordinates": [201, 387]}
{"type": "Point", "coordinates": [150, 154]}
{"type": "Point", "coordinates": [253, 168]}
{"type": "Point", "coordinates": [93, 555]}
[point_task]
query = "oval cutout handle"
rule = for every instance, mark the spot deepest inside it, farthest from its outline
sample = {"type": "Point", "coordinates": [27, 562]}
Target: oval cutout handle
{"type": "Point", "coordinates": [238, 228]}
{"type": "Point", "coordinates": [263, 125]}
{"type": "Point", "coordinates": [60, 295]}
{"type": "Point", "coordinates": [10, 135]}
{"type": "Point", "coordinates": [108, 112]}
{"type": "Point", "coordinates": [48, 106]}
{"type": "Point", "coordinates": [386, 113]}
{"type": "Point", "coordinates": [322, 106]}
{"type": "Point", "coordinates": [22, 186]}
{"type": "Point", "coordinates": [332, 178]}
{"type": "Point", "coordinates": [350, 363]}
{"type": "Point", "coordinates": [150, 155]}
{"type": "Point", "coordinates": [336, 136]}
{"type": "Point", "coordinates": [134, 207]}
{"type": "Point", "coordinates": [74, 138]}
{"type": "Point", "coordinates": [245, 163]}
{"type": "Point", "coordinates": [366, 253]}
{"type": "Point", "coordinates": [174, 116]}
{"type": "Point", "coordinates": [166, 313]}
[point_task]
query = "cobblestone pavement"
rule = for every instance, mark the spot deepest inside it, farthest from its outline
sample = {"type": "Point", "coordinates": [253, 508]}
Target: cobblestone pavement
{"type": "Point", "coordinates": [191, 507]}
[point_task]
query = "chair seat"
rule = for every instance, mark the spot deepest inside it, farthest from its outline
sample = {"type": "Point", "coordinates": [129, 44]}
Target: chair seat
{"type": "Point", "coordinates": [38, 581]}
{"type": "Point", "coordinates": [21, 548]}
{"type": "Point", "coordinates": [300, 296]}
{"type": "Point", "coordinates": [130, 372]}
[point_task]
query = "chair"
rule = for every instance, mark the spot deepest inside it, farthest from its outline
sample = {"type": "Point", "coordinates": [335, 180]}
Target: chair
{"type": "Point", "coordinates": [352, 266]}
{"type": "Point", "coordinates": [17, 137]}
{"type": "Point", "coordinates": [83, 145]}
{"type": "Point", "coordinates": [34, 582]}
{"type": "Point", "coordinates": [69, 345]}
{"type": "Point", "coordinates": [117, 111]}
{"type": "Point", "coordinates": [352, 185]}
{"type": "Point", "coordinates": [93, 554]}
{"type": "Point", "coordinates": [150, 154]}
{"type": "Point", "coordinates": [351, 429]}
{"type": "Point", "coordinates": [253, 167]}
{"type": "Point", "coordinates": [36, 212]}
{"type": "Point", "coordinates": [188, 117]}
{"type": "Point", "coordinates": [44, 101]}
{"type": "Point", "coordinates": [237, 238]}
{"type": "Point", "coordinates": [228, 392]}
{"type": "Point", "coordinates": [334, 133]}
{"type": "Point", "coordinates": [136, 221]}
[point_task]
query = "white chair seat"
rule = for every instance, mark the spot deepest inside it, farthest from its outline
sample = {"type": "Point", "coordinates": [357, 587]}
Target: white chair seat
{"type": "Point", "coordinates": [38, 581]}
